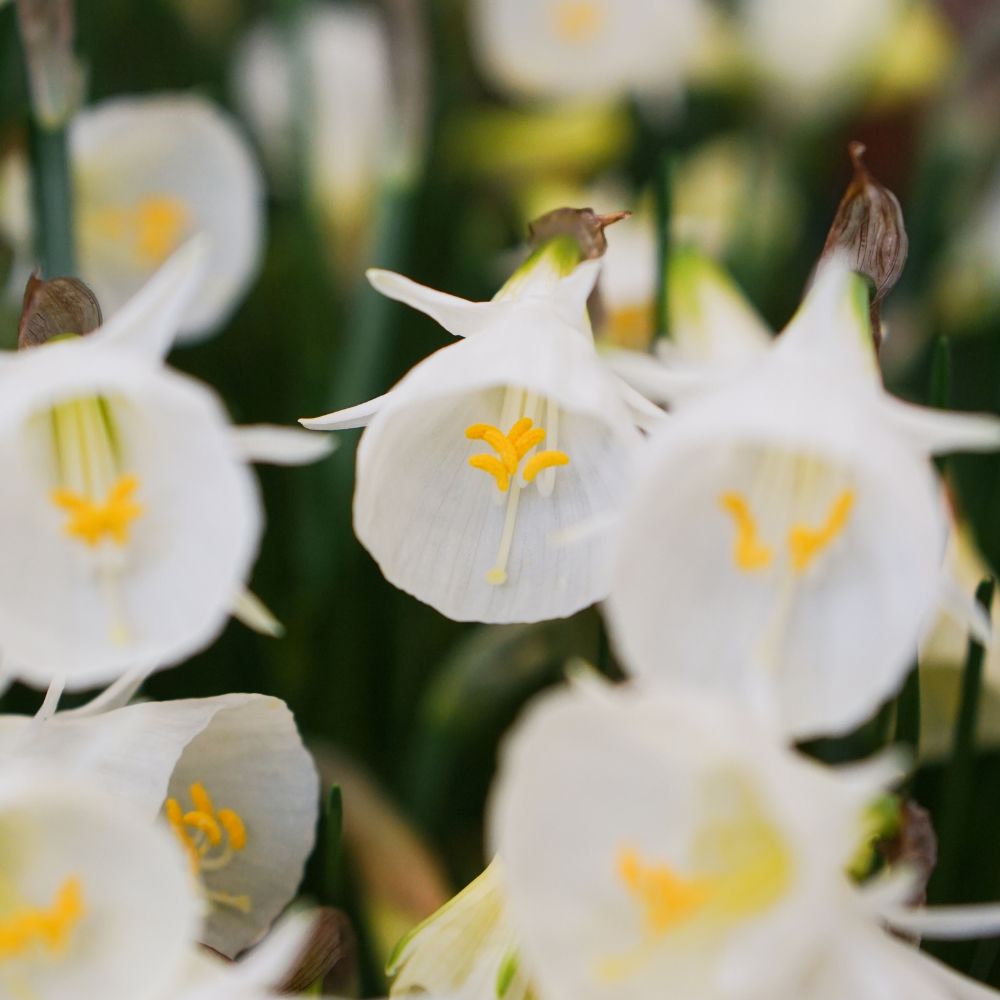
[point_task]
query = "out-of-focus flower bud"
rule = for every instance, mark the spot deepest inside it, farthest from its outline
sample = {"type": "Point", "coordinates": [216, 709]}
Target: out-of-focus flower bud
{"type": "Point", "coordinates": [47, 30]}
{"type": "Point", "coordinates": [583, 224]}
{"type": "Point", "coordinates": [55, 308]}
{"type": "Point", "coordinates": [868, 231]}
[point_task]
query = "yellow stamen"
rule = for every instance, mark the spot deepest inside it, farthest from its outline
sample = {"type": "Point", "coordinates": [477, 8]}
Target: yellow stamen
{"type": "Point", "coordinates": [50, 928]}
{"type": "Point", "coordinates": [496, 468]}
{"type": "Point", "coordinates": [91, 522]}
{"type": "Point", "coordinates": [201, 799]}
{"type": "Point", "coordinates": [806, 543]}
{"type": "Point", "coordinates": [749, 553]}
{"type": "Point", "coordinates": [577, 20]}
{"type": "Point", "coordinates": [498, 441]}
{"type": "Point", "coordinates": [665, 897]}
{"type": "Point", "coordinates": [523, 443]}
{"type": "Point", "coordinates": [544, 460]}
{"type": "Point", "coordinates": [241, 902]}
{"type": "Point", "coordinates": [204, 824]}
{"type": "Point", "coordinates": [236, 831]}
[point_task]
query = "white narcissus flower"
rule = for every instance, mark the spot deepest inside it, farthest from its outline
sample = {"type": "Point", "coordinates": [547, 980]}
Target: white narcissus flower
{"type": "Point", "coordinates": [345, 63]}
{"type": "Point", "coordinates": [486, 451]}
{"type": "Point", "coordinates": [129, 517]}
{"type": "Point", "coordinates": [94, 900]}
{"type": "Point", "coordinates": [229, 775]}
{"type": "Point", "coordinates": [149, 174]}
{"type": "Point", "coordinates": [785, 538]}
{"type": "Point", "coordinates": [574, 49]}
{"type": "Point", "coordinates": [653, 841]}
{"type": "Point", "coordinates": [466, 950]}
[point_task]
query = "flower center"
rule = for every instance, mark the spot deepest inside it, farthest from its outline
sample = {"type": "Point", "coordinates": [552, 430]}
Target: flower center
{"type": "Point", "coordinates": [91, 522]}
{"type": "Point", "coordinates": [665, 898]}
{"type": "Point", "coordinates": [210, 837]}
{"type": "Point", "coordinates": [577, 21]}
{"type": "Point", "coordinates": [48, 928]}
{"type": "Point", "coordinates": [152, 227]}
{"type": "Point", "coordinates": [519, 411]}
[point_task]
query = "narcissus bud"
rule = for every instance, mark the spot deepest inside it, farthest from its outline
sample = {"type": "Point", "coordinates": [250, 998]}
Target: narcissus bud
{"type": "Point", "coordinates": [56, 308]}
{"type": "Point", "coordinates": [868, 229]}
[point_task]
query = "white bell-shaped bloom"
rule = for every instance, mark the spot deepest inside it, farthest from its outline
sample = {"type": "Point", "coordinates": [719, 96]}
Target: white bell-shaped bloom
{"type": "Point", "coordinates": [343, 54]}
{"type": "Point", "coordinates": [150, 173]}
{"type": "Point", "coordinates": [572, 49]}
{"type": "Point", "coordinates": [94, 900]}
{"type": "Point", "coordinates": [473, 465]}
{"type": "Point", "coordinates": [653, 841]}
{"type": "Point", "coordinates": [229, 775]}
{"type": "Point", "coordinates": [784, 542]}
{"type": "Point", "coordinates": [129, 517]}
{"type": "Point", "coordinates": [466, 950]}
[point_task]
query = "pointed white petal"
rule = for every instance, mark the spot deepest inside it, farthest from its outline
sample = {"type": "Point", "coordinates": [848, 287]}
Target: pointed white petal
{"type": "Point", "coordinates": [946, 922]}
{"type": "Point", "coordinates": [832, 327]}
{"type": "Point", "coordinates": [458, 316]}
{"type": "Point", "coordinates": [249, 609]}
{"type": "Point", "coordinates": [647, 415]}
{"type": "Point", "coordinates": [149, 321]}
{"type": "Point", "coordinates": [353, 416]}
{"type": "Point", "coordinates": [572, 292]}
{"type": "Point", "coordinates": [939, 432]}
{"type": "Point", "coordinates": [280, 445]}
{"type": "Point", "coordinates": [115, 695]}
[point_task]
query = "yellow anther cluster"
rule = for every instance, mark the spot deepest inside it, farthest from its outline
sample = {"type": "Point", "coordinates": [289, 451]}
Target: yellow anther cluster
{"type": "Point", "coordinates": [577, 20]}
{"type": "Point", "coordinates": [92, 521]}
{"type": "Point", "coordinates": [666, 898]}
{"type": "Point", "coordinates": [804, 543]}
{"type": "Point", "coordinates": [48, 928]}
{"type": "Point", "coordinates": [510, 449]}
{"type": "Point", "coordinates": [208, 835]}
{"type": "Point", "coordinates": [748, 552]}
{"type": "Point", "coordinates": [154, 226]}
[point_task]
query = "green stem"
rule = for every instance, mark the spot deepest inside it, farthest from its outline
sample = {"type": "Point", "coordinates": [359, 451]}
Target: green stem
{"type": "Point", "coordinates": [959, 778]}
{"type": "Point", "coordinates": [908, 712]}
{"type": "Point", "coordinates": [664, 212]}
{"type": "Point", "coordinates": [52, 195]}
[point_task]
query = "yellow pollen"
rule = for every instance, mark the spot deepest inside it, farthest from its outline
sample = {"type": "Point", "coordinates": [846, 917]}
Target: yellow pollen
{"type": "Point", "coordinates": [749, 553]}
{"type": "Point", "coordinates": [577, 20]}
{"type": "Point", "coordinates": [48, 927]}
{"type": "Point", "coordinates": [153, 227]}
{"type": "Point", "coordinates": [510, 449]}
{"type": "Point", "coordinates": [91, 522]}
{"type": "Point", "coordinates": [208, 835]}
{"type": "Point", "coordinates": [666, 898]}
{"type": "Point", "coordinates": [806, 543]}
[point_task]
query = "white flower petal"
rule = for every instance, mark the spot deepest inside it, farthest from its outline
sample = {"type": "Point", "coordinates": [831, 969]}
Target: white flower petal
{"type": "Point", "coordinates": [148, 322]}
{"type": "Point", "coordinates": [280, 445]}
{"type": "Point", "coordinates": [946, 922]}
{"type": "Point", "coordinates": [249, 609]}
{"type": "Point", "coordinates": [458, 316]}
{"type": "Point", "coordinates": [353, 416]}
{"type": "Point", "coordinates": [939, 432]}
{"type": "Point", "coordinates": [90, 614]}
{"type": "Point", "coordinates": [829, 644]}
{"type": "Point", "coordinates": [139, 913]}
{"type": "Point", "coordinates": [435, 526]}
{"type": "Point", "coordinates": [184, 161]}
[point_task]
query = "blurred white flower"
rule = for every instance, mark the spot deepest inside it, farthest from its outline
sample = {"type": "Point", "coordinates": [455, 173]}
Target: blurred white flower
{"type": "Point", "coordinates": [785, 538]}
{"type": "Point", "coordinates": [94, 900]}
{"type": "Point", "coordinates": [574, 49]}
{"type": "Point", "coordinates": [545, 428]}
{"type": "Point", "coordinates": [149, 174]}
{"type": "Point", "coordinates": [466, 950]}
{"type": "Point", "coordinates": [324, 91]}
{"type": "Point", "coordinates": [654, 838]}
{"type": "Point", "coordinates": [232, 779]}
{"type": "Point", "coordinates": [129, 519]}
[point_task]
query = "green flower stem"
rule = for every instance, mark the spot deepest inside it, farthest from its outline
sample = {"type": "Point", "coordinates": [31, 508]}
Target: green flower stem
{"type": "Point", "coordinates": [52, 198]}
{"type": "Point", "coordinates": [664, 212]}
{"type": "Point", "coordinates": [959, 778]}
